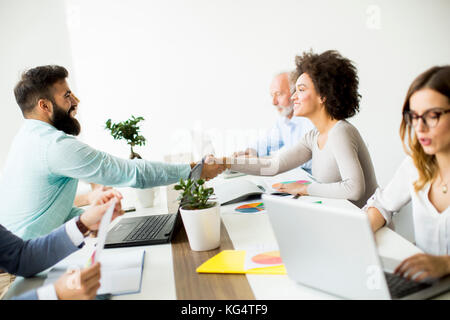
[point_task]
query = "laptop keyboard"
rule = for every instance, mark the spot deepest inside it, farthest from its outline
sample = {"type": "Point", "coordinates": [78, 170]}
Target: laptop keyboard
{"type": "Point", "coordinates": [148, 228]}
{"type": "Point", "coordinates": [400, 286]}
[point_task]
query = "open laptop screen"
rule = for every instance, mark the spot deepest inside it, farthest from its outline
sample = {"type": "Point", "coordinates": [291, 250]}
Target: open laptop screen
{"type": "Point", "coordinates": [196, 172]}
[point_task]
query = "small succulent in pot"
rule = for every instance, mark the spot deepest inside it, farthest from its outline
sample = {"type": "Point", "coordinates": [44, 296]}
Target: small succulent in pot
{"type": "Point", "coordinates": [195, 195]}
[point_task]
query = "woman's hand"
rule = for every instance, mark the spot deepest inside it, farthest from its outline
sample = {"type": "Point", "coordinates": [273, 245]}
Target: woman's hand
{"type": "Point", "coordinates": [292, 188]}
{"type": "Point", "coordinates": [424, 266]}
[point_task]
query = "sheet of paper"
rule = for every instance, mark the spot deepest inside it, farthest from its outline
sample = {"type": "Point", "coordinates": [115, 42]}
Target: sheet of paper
{"type": "Point", "coordinates": [261, 256]}
{"type": "Point", "coordinates": [102, 232]}
{"type": "Point", "coordinates": [294, 174]}
{"type": "Point", "coordinates": [250, 208]}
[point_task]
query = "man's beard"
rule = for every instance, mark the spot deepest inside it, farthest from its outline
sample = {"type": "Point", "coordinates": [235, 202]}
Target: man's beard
{"type": "Point", "coordinates": [64, 122]}
{"type": "Point", "coordinates": [286, 111]}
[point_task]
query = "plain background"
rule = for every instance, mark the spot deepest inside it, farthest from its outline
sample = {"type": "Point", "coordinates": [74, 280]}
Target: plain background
{"type": "Point", "coordinates": [206, 65]}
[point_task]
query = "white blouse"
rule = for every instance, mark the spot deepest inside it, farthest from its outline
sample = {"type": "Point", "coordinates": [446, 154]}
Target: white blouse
{"type": "Point", "coordinates": [431, 228]}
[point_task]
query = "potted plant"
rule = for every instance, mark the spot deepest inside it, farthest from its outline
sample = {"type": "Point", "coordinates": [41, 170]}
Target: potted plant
{"type": "Point", "coordinates": [201, 217]}
{"type": "Point", "coordinates": [129, 131]}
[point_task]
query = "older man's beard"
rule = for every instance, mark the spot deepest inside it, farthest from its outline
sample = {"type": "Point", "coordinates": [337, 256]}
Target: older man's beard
{"type": "Point", "coordinates": [63, 121]}
{"type": "Point", "coordinates": [286, 111]}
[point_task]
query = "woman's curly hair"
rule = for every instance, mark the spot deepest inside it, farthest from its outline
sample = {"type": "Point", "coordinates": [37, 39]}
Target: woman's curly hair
{"type": "Point", "coordinates": [335, 79]}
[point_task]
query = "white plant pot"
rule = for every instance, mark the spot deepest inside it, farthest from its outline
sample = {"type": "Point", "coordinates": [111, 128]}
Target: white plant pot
{"type": "Point", "coordinates": [202, 227]}
{"type": "Point", "coordinates": [146, 197]}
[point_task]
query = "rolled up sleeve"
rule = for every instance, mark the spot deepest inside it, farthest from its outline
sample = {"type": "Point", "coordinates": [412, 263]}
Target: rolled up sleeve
{"type": "Point", "coordinates": [377, 201]}
{"type": "Point", "coordinates": [396, 194]}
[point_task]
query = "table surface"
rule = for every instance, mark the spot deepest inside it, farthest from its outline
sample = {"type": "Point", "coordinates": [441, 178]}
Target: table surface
{"type": "Point", "coordinates": [169, 269]}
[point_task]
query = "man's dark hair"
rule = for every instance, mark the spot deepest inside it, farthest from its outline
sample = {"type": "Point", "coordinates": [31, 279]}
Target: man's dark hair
{"type": "Point", "coordinates": [335, 79]}
{"type": "Point", "coordinates": [36, 84]}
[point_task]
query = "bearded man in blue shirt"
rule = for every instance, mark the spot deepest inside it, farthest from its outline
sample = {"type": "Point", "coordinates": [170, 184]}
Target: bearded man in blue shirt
{"type": "Point", "coordinates": [45, 162]}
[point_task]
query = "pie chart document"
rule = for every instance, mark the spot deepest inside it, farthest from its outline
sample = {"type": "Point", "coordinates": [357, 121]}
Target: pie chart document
{"type": "Point", "coordinates": [262, 256]}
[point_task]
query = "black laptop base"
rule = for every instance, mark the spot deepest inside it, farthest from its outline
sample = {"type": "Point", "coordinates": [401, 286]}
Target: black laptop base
{"type": "Point", "coordinates": [142, 231]}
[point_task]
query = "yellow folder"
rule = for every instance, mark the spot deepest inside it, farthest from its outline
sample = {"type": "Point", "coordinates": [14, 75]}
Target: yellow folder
{"type": "Point", "coordinates": [232, 261]}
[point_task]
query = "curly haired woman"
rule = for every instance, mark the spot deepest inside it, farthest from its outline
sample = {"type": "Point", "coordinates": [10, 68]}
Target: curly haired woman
{"type": "Point", "coordinates": [424, 176]}
{"type": "Point", "coordinates": [327, 94]}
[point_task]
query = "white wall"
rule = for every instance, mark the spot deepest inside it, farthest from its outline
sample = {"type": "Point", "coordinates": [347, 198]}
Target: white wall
{"type": "Point", "coordinates": [207, 64]}
{"type": "Point", "coordinates": [31, 33]}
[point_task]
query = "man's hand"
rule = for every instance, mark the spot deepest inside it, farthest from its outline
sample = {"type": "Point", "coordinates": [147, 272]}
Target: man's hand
{"type": "Point", "coordinates": [91, 217]}
{"type": "Point", "coordinates": [212, 167]}
{"type": "Point", "coordinates": [211, 171]}
{"type": "Point", "coordinates": [97, 191]}
{"type": "Point", "coordinates": [79, 285]}
{"type": "Point", "coordinates": [89, 198]}
{"type": "Point", "coordinates": [424, 266]}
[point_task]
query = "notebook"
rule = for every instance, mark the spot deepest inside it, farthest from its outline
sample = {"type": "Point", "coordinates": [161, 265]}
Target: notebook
{"type": "Point", "coordinates": [121, 272]}
{"type": "Point", "coordinates": [237, 190]}
{"type": "Point", "coordinates": [233, 261]}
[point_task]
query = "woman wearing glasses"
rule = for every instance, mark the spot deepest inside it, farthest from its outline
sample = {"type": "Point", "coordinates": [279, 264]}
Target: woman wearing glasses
{"type": "Point", "coordinates": [424, 176]}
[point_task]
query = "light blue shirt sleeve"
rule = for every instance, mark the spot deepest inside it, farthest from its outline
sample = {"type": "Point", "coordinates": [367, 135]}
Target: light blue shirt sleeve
{"type": "Point", "coordinates": [285, 133]}
{"type": "Point", "coordinates": [47, 292]}
{"type": "Point", "coordinates": [272, 141]}
{"type": "Point", "coordinates": [69, 157]}
{"type": "Point", "coordinates": [29, 295]}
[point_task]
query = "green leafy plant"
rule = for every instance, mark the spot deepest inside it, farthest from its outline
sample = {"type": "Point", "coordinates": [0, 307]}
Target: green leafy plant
{"type": "Point", "coordinates": [129, 131]}
{"type": "Point", "coordinates": [195, 195]}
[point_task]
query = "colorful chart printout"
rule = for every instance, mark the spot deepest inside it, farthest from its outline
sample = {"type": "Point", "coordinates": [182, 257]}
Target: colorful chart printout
{"type": "Point", "coordinates": [270, 257]}
{"type": "Point", "coordinates": [297, 181]}
{"type": "Point", "coordinates": [251, 208]}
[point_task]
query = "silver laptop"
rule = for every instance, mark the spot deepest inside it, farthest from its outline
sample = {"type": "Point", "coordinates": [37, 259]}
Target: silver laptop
{"type": "Point", "coordinates": [334, 250]}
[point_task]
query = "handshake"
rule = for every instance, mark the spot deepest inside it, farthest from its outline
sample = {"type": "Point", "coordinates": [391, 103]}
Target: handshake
{"type": "Point", "coordinates": [213, 166]}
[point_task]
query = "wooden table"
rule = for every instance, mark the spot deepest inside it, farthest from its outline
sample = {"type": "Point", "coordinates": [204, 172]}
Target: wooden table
{"type": "Point", "coordinates": [192, 285]}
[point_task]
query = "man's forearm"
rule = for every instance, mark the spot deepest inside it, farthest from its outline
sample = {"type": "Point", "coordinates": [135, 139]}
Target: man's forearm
{"type": "Point", "coordinates": [81, 200]}
{"type": "Point", "coordinates": [102, 168]}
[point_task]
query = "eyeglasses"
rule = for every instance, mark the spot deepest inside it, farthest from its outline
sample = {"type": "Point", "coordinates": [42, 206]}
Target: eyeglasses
{"type": "Point", "coordinates": [430, 117]}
